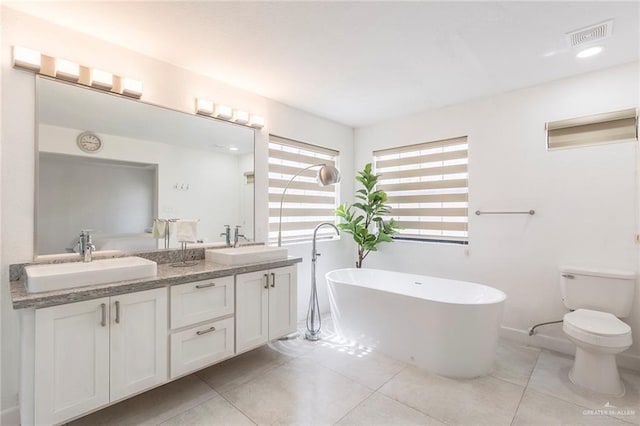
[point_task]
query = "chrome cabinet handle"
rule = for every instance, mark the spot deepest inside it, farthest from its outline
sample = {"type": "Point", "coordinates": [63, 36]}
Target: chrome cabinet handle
{"type": "Point", "coordinates": [569, 276]}
{"type": "Point", "coordinates": [206, 285]}
{"type": "Point", "coordinates": [273, 279]}
{"type": "Point", "coordinates": [266, 279]}
{"type": "Point", "coordinates": [208, 330]}
{"type": "Point", "coordinates": [117, 312]}
{"type": "Point", "coordinates": [103, 307]}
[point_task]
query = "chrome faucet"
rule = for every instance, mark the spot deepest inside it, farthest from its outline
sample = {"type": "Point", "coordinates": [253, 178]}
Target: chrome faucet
{"type": "Point", "coordinates": [227, 234]}
{"type": "Point", "coordinates": [86, 246]}
{"type": "Point", "coordinates": [237, 235]}
{"type": "Point", "coordinates": [314, 322]}
{"type": "Point", "coordinates": [314, 252]}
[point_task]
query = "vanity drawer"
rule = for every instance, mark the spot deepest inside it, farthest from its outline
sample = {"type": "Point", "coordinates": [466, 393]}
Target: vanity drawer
{"type": "Point", "coordinates": [200, 346]}
{"type": "Point", "coordinates": [201, 301]}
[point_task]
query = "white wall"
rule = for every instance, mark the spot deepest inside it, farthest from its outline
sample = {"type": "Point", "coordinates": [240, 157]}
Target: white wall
{"type": "Point", "coordinates": [9, 414]}
{"type": "Point", "coordinates": [585, 198]}
{"type": "Point", "coordinates": [77, 193]}
{"type": "Point", "coordinates": [165, 85]}
{"type": "Point", "coordinates": [245, 190]}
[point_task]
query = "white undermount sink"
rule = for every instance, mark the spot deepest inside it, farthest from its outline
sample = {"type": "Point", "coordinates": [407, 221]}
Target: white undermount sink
{"type": "Point", "coordinates": [245, 255]}
{"type": "Point", "coordinates": [59, 276]}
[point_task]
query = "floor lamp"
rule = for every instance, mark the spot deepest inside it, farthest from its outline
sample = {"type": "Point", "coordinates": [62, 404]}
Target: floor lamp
{"type": "Point", "coordinates": [327, 175]}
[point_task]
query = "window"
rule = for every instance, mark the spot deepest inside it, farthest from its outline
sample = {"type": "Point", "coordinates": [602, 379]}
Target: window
{"type": "Point", "coordinates": [427, 186]}
{"type": "Point", "coordinates": [306, 204]}
{"type": "Point", "coordinates": [618, 126]}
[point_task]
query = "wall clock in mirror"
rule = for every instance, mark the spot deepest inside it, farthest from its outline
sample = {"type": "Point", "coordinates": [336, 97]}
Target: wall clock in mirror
{"type": "Point", "coordinates": [89, 142]}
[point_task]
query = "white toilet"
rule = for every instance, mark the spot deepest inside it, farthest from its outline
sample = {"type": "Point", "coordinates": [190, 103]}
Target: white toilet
{"type": "Point", "coordinates": [598, 297]}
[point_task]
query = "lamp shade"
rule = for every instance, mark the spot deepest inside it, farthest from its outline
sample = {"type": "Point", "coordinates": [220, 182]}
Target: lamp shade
{"type": "Point", "coordinates": [328, 175]}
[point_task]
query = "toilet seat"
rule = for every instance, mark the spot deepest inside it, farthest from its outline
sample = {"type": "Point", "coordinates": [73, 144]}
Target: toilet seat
{"type": "Point", "coordinates": [597, 328]}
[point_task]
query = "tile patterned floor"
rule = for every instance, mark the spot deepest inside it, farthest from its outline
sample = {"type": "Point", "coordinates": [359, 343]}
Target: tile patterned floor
{"type": "Point", "coordinates": [328, 382]}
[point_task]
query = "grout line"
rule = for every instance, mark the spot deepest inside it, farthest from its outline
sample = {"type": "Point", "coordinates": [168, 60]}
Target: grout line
{"type": "Point", "coordinates": [562, 399]}
{"type": "Point", "coordinates": [188, 409]}
{"type": "Point", "coordinates": [203, 381]}
{"type": "Point", "coordinates": [229, 388]}
{"type": "Point", "coordinates": [526, 386]}
{"type": "Point", "coordinates": [407, 404]}
{"type": "Point", "coordinates": [404, 367]}
{"type": "Point", "coordinates": [242, 412]}
{"type": "Point", "coordinates": [356, 406]}
{"type": "Point", "coordinates": [402, 403]}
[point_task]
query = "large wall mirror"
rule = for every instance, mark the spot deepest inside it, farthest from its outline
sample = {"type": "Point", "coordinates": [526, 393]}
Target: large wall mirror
{"type": "Point", "coordinates": [134, 164]}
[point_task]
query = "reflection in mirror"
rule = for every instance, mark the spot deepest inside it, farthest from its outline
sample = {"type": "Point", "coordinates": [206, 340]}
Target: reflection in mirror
{"type": "Point", "coordinates": [135, 163]}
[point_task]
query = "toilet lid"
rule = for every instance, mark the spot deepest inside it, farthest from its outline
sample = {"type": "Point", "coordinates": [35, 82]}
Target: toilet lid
{"type": "Point", "coordinates": [597, 328]}
{"type": "Point", "coordinates": [596, 322]}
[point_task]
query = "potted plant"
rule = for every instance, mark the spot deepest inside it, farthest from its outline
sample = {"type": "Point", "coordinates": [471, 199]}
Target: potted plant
{"type": "Point", "coordinates": [364, 219]}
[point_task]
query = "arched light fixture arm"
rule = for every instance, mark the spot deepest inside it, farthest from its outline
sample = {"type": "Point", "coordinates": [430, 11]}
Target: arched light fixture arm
{"type": "Point", "coordinates": [327, 175]}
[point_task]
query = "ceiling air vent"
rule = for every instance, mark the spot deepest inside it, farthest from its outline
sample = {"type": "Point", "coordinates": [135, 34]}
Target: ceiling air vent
{"type": "Point", "coordinates": [589, 34]}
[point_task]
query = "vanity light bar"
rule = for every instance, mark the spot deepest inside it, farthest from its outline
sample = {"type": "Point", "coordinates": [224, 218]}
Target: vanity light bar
{"type": "Point", "coordinates": [27, 58]}
{"type": "Point", "coordinates": [256, 121]}
{"type": "Point", "coordinates": [225, 112]}
{"type": "Point", "coordinates": [131, 87]}
{"type": "Point", "coordinates": [240, 117]}
{"type": "Point", "coordinates": [64, 69]}
{"type": "Point", "coordinates": [204, 106]}
{"type": "Point", "coordinates": [101, 79]}
{"type": "Point", "coordinates": [67, 70]}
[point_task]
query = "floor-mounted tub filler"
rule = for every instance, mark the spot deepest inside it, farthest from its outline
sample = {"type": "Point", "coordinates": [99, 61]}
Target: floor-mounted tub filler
{"type": "Point", "coordinates": [446, 326]}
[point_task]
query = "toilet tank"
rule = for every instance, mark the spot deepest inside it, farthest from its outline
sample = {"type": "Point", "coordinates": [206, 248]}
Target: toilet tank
{"type": "Point", "coordinates": [605, 290]}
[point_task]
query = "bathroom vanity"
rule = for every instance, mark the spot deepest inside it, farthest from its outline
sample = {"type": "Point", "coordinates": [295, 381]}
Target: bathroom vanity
{"type": "Point", "coordinates": [85, 348]}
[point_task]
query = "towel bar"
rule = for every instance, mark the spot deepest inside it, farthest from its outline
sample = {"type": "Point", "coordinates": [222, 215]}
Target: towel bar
{"type": "Point", "coordinates": [530, 212]}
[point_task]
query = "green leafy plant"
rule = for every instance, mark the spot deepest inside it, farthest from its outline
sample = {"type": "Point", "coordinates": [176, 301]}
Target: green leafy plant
{"type": "Point", "coordinates": [367, 214]}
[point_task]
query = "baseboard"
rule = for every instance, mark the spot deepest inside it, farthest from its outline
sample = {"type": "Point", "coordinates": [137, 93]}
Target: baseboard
{"type": "Point", "coordinates": [10, 416]}
{"type": "Point", "coordinates": [565, 346]}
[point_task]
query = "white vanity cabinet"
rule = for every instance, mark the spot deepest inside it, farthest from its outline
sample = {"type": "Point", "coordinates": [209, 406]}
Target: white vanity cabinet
{"type": "Point", "coordinates": [138, 342]}
{"type": "Point", "coordinates": [71, 360]}
{"type": "Point", "coordinates": [202, 324]}
{"type": "Point", "coordinates": [90, 353]}
{"type": "Point", "coordinates": [265, 306]}
{"type": "Point", "coordinates": [81, 356]}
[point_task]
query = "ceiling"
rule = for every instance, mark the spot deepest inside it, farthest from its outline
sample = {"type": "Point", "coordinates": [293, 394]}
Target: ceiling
{"type": "Point", "coordinates": [359, 63]}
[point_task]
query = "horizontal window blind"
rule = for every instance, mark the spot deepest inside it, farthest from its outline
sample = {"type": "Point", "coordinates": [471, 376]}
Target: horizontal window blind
{"type": "Point", "coordinates": [306, 203]}
{"type": "Point", "coordinates": [427, 189]}
{"type": "Point", "coordinates": [618, 126]}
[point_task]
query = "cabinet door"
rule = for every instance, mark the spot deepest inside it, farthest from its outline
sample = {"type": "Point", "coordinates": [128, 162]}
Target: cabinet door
{"type": "Point", "coordinates": [71, 360]}
{"type": "Point", "coordinates": [200, 346]}
{"type": "Point", "coordinates": [138, 341]}
{"type": "Point", "coordinates": [252, 310]}
{"type": "Point", "coordinates": [201, 301]}
{"type": "Point", "coordinates": [282, 302]}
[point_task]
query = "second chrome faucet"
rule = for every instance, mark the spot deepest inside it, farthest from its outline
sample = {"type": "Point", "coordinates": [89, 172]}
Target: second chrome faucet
{"type": "Point", "coordinates": [86, 246]}
{"type": "Point", "coordinates": [236, 235]}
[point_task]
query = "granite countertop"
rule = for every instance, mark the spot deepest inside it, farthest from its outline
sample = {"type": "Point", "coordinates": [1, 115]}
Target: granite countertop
{"type": "Point", "coordinates": [167, 275]}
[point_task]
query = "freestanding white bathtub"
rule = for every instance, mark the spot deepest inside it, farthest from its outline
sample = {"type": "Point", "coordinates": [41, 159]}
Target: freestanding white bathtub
{"type": "Point", "coordinates": [445, 326]}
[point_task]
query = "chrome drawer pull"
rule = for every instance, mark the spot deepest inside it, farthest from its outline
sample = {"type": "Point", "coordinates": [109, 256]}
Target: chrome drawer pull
{"type": "Point", "coordinates": [273, 279]}
{"type": "Point", "coordinates": [206, 285]}
{"type": "Point", "coordinates": [569, 276]}
{"type": "Point", "coordinates": [103, 321]}
{"type": "Point", "coordinates": [266, 280]}
{"type": "Point", "coordinates": [208, 330]}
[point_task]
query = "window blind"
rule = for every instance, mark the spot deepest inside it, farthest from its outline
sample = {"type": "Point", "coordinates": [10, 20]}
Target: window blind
{"type": "Point", "coordinates": [427, 189]}
{"type": "Point", "coordinates": [609, 127]}
{"type": "Point", "coordinates": [306, 203]}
